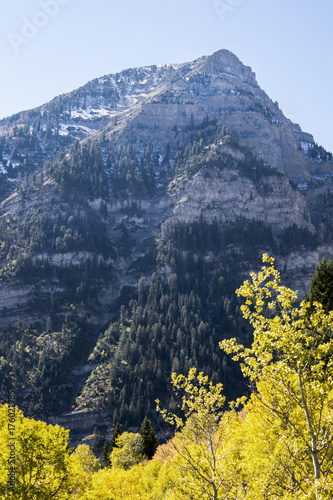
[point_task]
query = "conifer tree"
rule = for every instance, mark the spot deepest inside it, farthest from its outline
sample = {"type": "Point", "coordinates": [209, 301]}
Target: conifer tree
{"type": "Point", "coordinates": [110, 445]}
{"type": "Point", "coordinates": [150, 442]}
{"type": "Point", "coordinates": [116, 433]}
{"type": "Point", "coordinates": [96, 440]}
{"type": "Point", "coordinates": [321, 284]}
{"type": "Point", "coordinates": [106, 454]}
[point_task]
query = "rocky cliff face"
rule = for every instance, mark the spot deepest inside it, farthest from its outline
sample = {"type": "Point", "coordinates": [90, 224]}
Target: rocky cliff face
{"type": "Point", "coordinates": [227, 196]}
{"type": "Point", "coordinates": [106, 187]}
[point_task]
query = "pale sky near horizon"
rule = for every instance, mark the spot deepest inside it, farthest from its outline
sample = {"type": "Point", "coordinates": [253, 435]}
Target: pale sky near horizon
{"type": "Point", "coordinates": [50, 47]}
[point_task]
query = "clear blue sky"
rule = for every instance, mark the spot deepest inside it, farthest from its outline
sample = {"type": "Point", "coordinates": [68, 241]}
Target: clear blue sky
{"type": "Point", "coordinates": [49, 47]}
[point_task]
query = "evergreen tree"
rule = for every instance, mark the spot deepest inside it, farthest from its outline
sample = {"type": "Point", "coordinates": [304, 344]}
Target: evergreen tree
{"type": "Point", "coordinates": [96, 440]}
{"type": "Point", "coordinates": [321, 284]}
{"type": "Point", "coordinates": [106, 454]}
{"type": "Point", "coordinates": [150, 442]}
{"type": "Point", "coordinates": [110, 445]}
{"type": "Point", "coordinates": [116, 433]}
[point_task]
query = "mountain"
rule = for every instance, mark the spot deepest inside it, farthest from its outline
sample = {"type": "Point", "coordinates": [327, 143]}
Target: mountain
{"type": "Point", "coordinates": [132, 208]}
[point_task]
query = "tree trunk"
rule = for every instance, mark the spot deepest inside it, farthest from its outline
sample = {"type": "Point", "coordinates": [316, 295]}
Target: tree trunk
{"type": "Point", "coordinates": [314, 450]}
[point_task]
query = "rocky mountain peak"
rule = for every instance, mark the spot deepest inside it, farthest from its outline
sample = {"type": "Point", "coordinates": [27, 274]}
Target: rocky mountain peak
{"type": "Point", "coordinates": [224, 62]}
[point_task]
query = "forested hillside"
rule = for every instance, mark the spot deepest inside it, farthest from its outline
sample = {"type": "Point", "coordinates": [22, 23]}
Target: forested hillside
{"type": "Point", "coordinates": [276, 442]}
{"type": "Point", "coordinates": [132, 209]}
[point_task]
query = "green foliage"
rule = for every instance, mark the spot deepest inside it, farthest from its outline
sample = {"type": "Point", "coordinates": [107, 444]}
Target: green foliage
{"type": "Point", "coordinates": [257, 170]}
{"type": "Point", "coordinates": [188, 161]}
{"type": "Point", "coordinates": [129, 450]}
{"type": "Point", "coordinates": [134, 173]}
{"type": "Point", "coordinates": [197, 236]}
{"type": "Point", "coordinates": [66, 232]}
{"type": "Point", "coordinates": [115, 435]}
{"type": "Point", "coordinates": [278, 446]}
{"type": "Point", "coordinates": [110, 445]}
{"type": "Point", "coordinates": [321, 284]}
{"type": "Point", "coordinates": [150, 442]}
{"type": "Point", "coordinates": [106, 454]}
{"type": "Point", "coordinates": [162, 330]}
{"type": "Point", "coordinates": [249, 235]}
{"type": "Point", "coordinates": [318, 153]}
{"type": "Point", "coordinates": [81, 173]}
{"type": "Point", "coordinates": [41, 360]}
{"type": "Point", "coordinates": [174, 323]}
{"type": "Point", "coordinates": [294, 238]}
{"type": "Point", "coordinates": [5, 186]}
{"type": "Point", "coordinates": [268, 113]}
{"type": "Point", "coordinates": [198, 155]}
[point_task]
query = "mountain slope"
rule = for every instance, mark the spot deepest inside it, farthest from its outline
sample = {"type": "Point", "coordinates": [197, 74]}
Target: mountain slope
{"type": "Point", "coordinates": [132, 209]}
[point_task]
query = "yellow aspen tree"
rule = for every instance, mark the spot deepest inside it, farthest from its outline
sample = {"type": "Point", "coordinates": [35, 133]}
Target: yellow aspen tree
{"type": "Point", "coordinates": [204, 451]}
{"type": "Point", "coordinates": [82, 465]}
{"type": "Point", "coordinates": [129, 450]}
{"type": "Point", "coordinates": [290, 364]}
{"type": "Point", "coordinates": [147, 481]}
{"type": "Point", "coordinates": [33, 459]}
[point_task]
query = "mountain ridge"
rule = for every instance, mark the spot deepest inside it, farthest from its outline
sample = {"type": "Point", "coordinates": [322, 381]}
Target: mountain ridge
{"type": "Point", "coordinates": [78, 125]}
